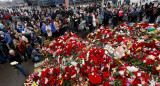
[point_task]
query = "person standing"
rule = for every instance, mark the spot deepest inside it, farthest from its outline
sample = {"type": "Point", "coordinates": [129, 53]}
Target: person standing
{"type": "Point", "coordinates": [49, 32]}
{"type": "Point", "coordinates": [100, 19]}
{"type": "Point", "coordinates": [94, 21]}
{"type": "Point", "coordinates": [121, 13]}
{"type": "Point", "coordinates": [43, 28]}
{"type": "Point", "coordinates": [141, 13]}
{"type": "Point", "coordinates": [115, 18]}
{"type": "Point", "coordinates": [53, 29]}
{"type": "Point", "coordinates": [57, 24]}
{"type": "Point", "coordinates": [90, 19]}
{"type": "Point", "coordinates": [106, 18]}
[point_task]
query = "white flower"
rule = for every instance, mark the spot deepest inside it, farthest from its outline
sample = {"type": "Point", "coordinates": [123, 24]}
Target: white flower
{"type": "Point", "coordinates": [46, 80]}
{"type": "Point", "coordinates": [121, 73]}
{"type": "Point", "coordinates": [14, 63]}
{"type": "Point", "coordinates": [151, 57]}
{"type": "Point", "coordinates": [74, 63]}
{"type": "Point", "coordinates": [106, 52]}
{"type": "Point", "coordinates": [139, 85]}
{"type": "Point", "coordinates": [87, 55]}
{"type": "Point", "coordinates": [73, 76]}
{"type": "Point", "coordinates": [144, 61]}
{"type": "Point", "coordinates": [132, 69]}
{"type": "Point", "coordinates": [39, 74]}
{"type": "Point", "coordinates": [138, 74]}
{"type": "Point", "coordinates": [83, 62]}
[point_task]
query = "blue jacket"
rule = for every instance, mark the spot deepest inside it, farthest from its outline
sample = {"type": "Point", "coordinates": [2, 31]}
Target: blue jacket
{"type": "Point", "coordinates": [43, 28]}
{"type": "Point", "coordinates": [7, 38]}
{"type": "Point", "coordinates": [53, 28]}
{"type": "Point", "coordinates": [21, 29]}
{"type": "Point", "coordinates": [102, 13]}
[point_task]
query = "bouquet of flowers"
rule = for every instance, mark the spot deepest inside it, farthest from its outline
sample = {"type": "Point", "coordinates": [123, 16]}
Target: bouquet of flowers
{"type": "Point", "coordinates": [14, 64]}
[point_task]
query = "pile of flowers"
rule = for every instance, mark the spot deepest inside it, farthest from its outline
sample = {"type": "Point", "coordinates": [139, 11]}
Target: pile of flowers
{"type": "Point", "coordinates": [129, 55]}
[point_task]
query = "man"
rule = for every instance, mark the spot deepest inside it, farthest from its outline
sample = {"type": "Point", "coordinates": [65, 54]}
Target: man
{"type": "Point", "coordinates": [13, 56]}
{"type": "Point", "coordinates": [115, 18]}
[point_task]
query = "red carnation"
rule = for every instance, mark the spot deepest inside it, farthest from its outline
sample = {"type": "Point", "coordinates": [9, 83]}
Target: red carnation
{"type": "Point", "coordinates": [95, 79]}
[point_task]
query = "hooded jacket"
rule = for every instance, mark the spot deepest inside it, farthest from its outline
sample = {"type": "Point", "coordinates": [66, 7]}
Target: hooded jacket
{"type": "Point", "coordinates": [22, 47]}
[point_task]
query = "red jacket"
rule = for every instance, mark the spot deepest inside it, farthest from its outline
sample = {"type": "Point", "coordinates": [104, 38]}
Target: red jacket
{"type": "Point", "coordinates": [6, 16]}
{"type": "Point", "coordinates": [22, 47]}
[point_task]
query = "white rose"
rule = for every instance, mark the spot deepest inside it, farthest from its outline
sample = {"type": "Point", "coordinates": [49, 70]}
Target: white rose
{"type": "Point", "coordinates": [14, 63]}
{"type": "Point", "coordinates": [151, 57]}
{"type": "Point", "coordinates": [121, 73]}
{"type": "Point", "coordinates": [74, 63]}
{"type": "Point", "coordinates": [144, 61]}
{"type": "Point", "coordinates": [132, 69]}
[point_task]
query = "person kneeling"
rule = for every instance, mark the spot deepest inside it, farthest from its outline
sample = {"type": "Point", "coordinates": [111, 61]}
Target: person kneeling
{"type": "Point", "coordinates": [36, 54]}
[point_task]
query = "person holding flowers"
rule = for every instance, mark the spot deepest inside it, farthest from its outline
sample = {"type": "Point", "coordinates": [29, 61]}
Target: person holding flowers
{"type": "Point", "coordinates": [14, 57]}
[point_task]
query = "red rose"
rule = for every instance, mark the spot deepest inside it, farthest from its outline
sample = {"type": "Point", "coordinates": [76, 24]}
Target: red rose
{"type": "Point", "coordinates": [136, 82]}
{"type": "Point", "coordinates": [95, 79]}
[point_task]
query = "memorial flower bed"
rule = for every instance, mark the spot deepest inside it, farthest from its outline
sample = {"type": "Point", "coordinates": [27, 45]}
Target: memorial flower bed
{"type": "Point", "coordinates": [126, 56]}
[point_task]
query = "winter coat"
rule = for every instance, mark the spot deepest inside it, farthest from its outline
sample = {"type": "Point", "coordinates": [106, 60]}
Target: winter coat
{"type": "Point", "coordinates": [53, 28]}
{"type": "Point", "coordinates": [82, 25]}
{"type": "Point", "coordinates": [57, 25]}
{"type": "Point", "coordinates": [23, 38]}
{"type": "Point", "coordinates": [28, 30]}
{"type": "Point", "coordinates": [17, 58]}
{"type": "Point", "coordinates": [48, 29]}
{"type": "Point", "coordinates": [21, 29]}
{"type": "Point", "coordinates": [43, 28]}
{"type": "Point", "coordinates": [100, 17]}
{"type": "Point", "coordinates": [16, 42]}
{"type": "Point", "coordinates": [115, 18]}
{"type": "Point", "coordinates": [94, 21]}
{"type": "Point", "coordinates": [22, 47]}
{"type": "Point", "coordinates": [8, 39]}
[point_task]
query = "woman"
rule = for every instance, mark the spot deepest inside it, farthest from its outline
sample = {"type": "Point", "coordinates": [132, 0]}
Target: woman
{"type": "Point", "coordinates": [94, 21]}
{"type": "Point", "coordinates": [23, 49]}
{"type": "Point", "coordinates": [57, 24]}
{"type": "Point", "coordinates": [49, 32]}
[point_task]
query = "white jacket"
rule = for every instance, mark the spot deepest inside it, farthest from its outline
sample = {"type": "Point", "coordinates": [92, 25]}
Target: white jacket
{"type": "Point", "coordinates": [94, 21]}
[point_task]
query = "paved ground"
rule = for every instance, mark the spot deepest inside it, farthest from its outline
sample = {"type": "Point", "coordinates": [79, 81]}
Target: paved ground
{"type": "Point", "coordinates": [9, 77]}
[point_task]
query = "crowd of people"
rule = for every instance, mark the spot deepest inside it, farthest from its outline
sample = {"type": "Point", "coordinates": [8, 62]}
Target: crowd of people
{"type": "Point", "coordinates": [23, 31]}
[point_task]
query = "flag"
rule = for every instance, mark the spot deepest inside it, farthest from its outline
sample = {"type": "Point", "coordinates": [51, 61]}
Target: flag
{"type": "Point", "coordinates": [67, 3]}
